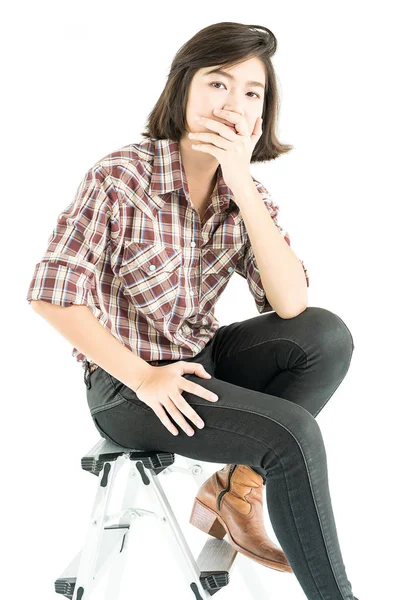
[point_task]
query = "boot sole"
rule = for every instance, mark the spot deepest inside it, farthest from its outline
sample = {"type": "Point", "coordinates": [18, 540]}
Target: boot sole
{"type": "Point", "coordinates": [205, 519]}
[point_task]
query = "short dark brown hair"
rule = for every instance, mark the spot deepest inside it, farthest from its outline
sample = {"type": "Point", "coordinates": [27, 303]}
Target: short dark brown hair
{"type": "Point", "coordinates": [222, 44]}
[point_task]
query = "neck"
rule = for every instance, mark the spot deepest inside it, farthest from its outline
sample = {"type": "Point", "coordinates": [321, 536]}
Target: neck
{"type": "Point", "coordinates": [200, 168]}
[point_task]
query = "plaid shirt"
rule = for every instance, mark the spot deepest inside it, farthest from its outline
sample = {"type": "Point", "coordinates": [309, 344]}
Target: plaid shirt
{"type": "Point", "coordinates": [131, 247]}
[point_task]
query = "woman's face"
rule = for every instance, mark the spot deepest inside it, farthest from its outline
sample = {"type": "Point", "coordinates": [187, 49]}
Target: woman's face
{"type": "Point", "coordinates": [238, 93]}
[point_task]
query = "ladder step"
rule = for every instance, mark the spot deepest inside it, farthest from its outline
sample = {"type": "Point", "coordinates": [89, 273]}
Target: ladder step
{"type": "Point", "coordinates": [214, 561]}
{"type": "Point", "coordinates": [66, 587]}
{"type": "Point", "coordinates": [113, 540]}
{"type": "Point", "coordinates": [106, 451]}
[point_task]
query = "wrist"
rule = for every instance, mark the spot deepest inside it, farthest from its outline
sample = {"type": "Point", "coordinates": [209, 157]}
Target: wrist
{"type": "Point", "coordinates": [141, 374]}
{"type": "Point", "coordinates": [246, 185]}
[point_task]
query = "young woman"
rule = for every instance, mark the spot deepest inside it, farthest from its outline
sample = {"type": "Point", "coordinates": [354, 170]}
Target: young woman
{"type": "Point", "coordinates": [141, 256]}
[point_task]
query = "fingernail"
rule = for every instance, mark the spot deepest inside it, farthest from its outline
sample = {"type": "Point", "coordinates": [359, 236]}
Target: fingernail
{"type": "Point", "coordinates": [215, 398]}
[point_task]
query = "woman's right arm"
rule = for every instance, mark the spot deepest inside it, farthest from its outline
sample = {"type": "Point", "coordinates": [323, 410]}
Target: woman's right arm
{"type": "Point", "coordinates": [81, 328]}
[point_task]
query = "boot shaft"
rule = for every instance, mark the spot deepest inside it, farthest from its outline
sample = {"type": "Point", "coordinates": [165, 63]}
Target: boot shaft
{"type": "Point", "coordinates": [241, 486]}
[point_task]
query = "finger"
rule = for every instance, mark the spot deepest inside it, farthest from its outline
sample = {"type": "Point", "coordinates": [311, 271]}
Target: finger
{"type": "Point", "coordinates": [171, 405]}
{"type": "Point", "coordinates": [210, 149]}
{"type": "Point", "coordinates": [187, 410]}
{"type": "Point", "coordinates": [222, 128]}
{"type": "Point", "coordinates": [203, 373]}
{"type": "Point", "coordinates": [197, 390]}
{"type": "Point", "coordinates": [220, 140]}
{"type": "Point", "coordinates": [162, 415]}
{"type": "Point", "coordinates": [237, 119]}
{"type": "Point", "coordinates": [195, 368]}
{"type": "Point", "coordinates": [228, 115]}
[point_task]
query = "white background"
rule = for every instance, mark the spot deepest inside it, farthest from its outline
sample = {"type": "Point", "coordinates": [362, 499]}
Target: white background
{"type": "Point", "coordinates": [80, 79]}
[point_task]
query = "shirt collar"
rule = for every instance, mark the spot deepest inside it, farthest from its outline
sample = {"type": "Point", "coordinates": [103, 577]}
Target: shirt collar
{"type": "Point", "coordinates": [168, 175]}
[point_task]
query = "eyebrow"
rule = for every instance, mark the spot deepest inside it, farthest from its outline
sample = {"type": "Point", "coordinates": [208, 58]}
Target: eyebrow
{"type": "Point", "coordinates": [226, 74]}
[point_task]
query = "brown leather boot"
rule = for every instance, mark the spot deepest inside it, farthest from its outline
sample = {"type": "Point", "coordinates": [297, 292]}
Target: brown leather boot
{"type": "Point", "coordinates": [231, 502]}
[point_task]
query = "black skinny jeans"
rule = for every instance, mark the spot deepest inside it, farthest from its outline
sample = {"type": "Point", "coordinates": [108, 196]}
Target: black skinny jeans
{"type": "Point", "coordinates": [273, 376]}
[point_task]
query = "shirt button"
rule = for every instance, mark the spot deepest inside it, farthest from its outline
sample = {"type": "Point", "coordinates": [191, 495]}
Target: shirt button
{"type": "Point", "coordinates": [191, 292]}
{"type": "Point", "coordinates": [193, 244]}
{"type": "Point", "coordinates": [152, 267]}
{"type": "Point", "coordinates": [230, 269]}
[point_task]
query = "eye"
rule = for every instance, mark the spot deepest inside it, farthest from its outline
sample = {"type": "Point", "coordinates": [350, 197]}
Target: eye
{"type": "Point", "coordinates": [219, 83]}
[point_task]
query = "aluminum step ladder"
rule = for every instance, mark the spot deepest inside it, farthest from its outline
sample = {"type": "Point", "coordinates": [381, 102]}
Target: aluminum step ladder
{"type": "Point", "coordinates": [107, 538]}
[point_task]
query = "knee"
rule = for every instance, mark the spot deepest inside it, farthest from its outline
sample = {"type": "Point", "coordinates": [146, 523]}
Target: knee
{"type": "Point", "coordinates": [310, 438]}
{"type": "Point", "coordinates": [302, 437]}
{"type": "Point", "coordinates": [330, 330]}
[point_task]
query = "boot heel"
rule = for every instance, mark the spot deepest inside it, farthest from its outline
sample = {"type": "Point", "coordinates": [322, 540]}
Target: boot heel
{"type": "Point", "coordinates": [205, 520]}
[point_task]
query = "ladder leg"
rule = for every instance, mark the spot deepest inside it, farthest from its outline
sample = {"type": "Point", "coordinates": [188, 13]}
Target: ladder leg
{"type": "Point", "coordinates": [86, 576]}
{"type": "Point", "coordinates": [175, 538]}
{"type": "Point", "coordinates": [128, 510]}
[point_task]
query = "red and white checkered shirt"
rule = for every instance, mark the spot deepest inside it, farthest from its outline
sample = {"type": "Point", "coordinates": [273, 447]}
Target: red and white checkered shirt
{"type": "Point", "coordinates": [132, 248]}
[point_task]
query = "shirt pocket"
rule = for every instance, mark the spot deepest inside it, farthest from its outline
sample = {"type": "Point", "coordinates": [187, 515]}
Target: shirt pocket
{"type": "Point", "coordinates": [151, 277]}
{"type": "Point", "coordinates": [218, 266]}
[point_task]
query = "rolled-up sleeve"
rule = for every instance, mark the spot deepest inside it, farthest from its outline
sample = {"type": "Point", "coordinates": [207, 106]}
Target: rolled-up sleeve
{"type": "Point", "coordinates": [76, 247]}
{"type": "Point", "coordinates": [247, 266]}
